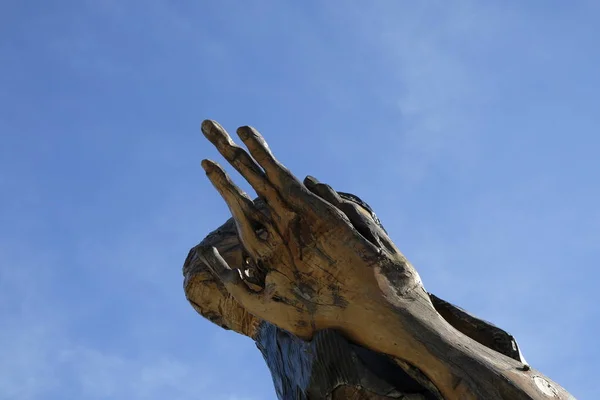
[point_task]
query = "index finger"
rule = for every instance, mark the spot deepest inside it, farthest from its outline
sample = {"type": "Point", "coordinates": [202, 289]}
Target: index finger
{"type": "Point", "coordinates": [289, 187]}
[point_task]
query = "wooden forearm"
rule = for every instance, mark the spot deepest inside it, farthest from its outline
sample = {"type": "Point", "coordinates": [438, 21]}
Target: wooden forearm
{"type": "Point", "coordinates": [329, 364]}
{"type": "Point", "coordinates": [462, 368]}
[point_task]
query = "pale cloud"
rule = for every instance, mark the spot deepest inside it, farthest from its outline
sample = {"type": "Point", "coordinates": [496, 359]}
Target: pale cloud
{"type": "Point", "coordinates": [100, 375]}
{"type": "Point", "coordinates": [420, 62]}
{"type": "Point", "coordinates": [25, 372]}
{"type": "Point", "coordinates": [37, 363]}
{"type": "Point", "coordinates": [432, 85]}
{"type": "Point", "coordinates": [41, 357]}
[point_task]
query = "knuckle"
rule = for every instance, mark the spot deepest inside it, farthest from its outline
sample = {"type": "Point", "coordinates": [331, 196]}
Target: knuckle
{"type": "Point", "coordinates": [236, 153]}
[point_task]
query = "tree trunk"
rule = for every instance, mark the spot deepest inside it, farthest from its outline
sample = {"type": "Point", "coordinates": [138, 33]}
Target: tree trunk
{"type": "Point", "coordinates": [336, 310]}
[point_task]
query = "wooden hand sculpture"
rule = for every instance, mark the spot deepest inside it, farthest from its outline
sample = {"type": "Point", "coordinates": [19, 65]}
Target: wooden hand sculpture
{"type": "Point", "coordinates": [307, 259]}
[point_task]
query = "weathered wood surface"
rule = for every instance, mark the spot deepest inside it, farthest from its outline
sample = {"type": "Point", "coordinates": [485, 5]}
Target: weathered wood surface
{"type": "Point", "coordinates": [305, 263]}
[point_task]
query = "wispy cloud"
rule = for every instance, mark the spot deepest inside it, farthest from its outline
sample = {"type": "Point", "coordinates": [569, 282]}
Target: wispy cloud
{"type": "Point", "coordinates": [47, 353]}
{"type": "Point", "coordinates": [431, 84]}
{"type": "Point", "coordinates": [41, 356]}
{"type": "Point", "coordinates": [443, 117]}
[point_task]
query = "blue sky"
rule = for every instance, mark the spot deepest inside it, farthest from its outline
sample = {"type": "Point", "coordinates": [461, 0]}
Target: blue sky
{"type": "Point", "coordinates": [469, 127]}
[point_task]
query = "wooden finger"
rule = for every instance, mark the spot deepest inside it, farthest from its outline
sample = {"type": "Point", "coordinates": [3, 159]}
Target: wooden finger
{"type": "Point", "coordinates": [261, 152]}
{"type": "Point", "coordinates": [247, 217]}
{"type": "Point", "coordinates": [324, 191]}
{"type": "Point", "coordinates": [292, 191]}
{"type": "Point", "coordinates": [289, 187]}
{"type": "Point", "coordinates": [363, 223]}
{"type": "Point", "coordinates": [242, 162]}
{"type": "Point", "coordinates": [257, 304]}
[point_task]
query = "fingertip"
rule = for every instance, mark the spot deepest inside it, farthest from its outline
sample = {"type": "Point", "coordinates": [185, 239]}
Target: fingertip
{"type": "Point", "coordinates": [208, 165]}
{"type": "Point", "coordinates": [310, 181]}
{"type": "Point", "coordinates": [207, 125]}
{"type": "Point", "coordinates": [244, 132]}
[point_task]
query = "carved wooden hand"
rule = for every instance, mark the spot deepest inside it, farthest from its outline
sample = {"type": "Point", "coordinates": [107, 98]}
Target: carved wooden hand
{"type": "Point", "coordinates": [319, 270]}
{"type": "Point", "coordinates": [313, 260]}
